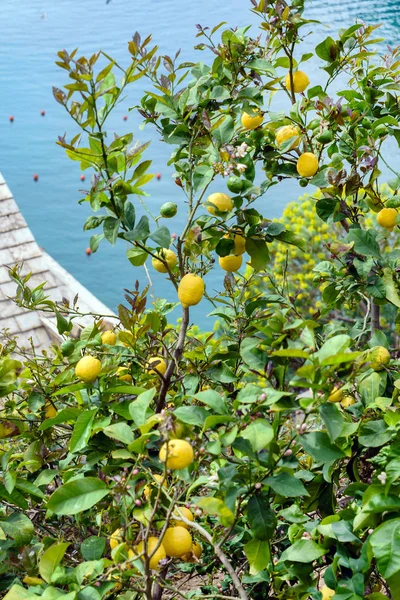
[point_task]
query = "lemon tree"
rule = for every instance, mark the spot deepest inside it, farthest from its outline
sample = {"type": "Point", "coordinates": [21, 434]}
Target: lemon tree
{"type": "Point", "coordinates": [259, 460]}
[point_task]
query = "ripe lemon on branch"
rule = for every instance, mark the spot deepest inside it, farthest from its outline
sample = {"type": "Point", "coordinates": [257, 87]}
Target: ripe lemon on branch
{"type": "Point", "coordinates": [387, 217]}
{"type": "Point", "coordinates": [123, 374]}
{"type": "Point", "coordinates": [230, 263]}
{"type": "Point", "coordinates": [116, 538]}
{"type": "Point", "coordinates": [109, 338]}
{"type": "Point", "coordinates": [222, 202]}
{"type": "Point", "coordinates": [159, 364]}
{"type": "Point", "coordinates": [285, 133]}
{"type": "Point", "coordinates": [177, 541]}
{"type": "Point", "coordinates": [239, 242]}
{"type": "Point", "coordinates": [194, 554]}
{"type": "Point", "coordinates": [168, 256]}
{"type": "Point", "coordinates": [307, 165]}
{"type": "Point", "coordinates": [176, 454]}
{"type": "Point", "coordinates": [190, 289]}
{"type": "Point", "coordinates": [185, 512]}
{"type": "Point", "coordinates": [88, 369]}
{"type": "Point", "coordinates": [250, 122]}
{"type": "Point", "coordinates": [158, 555]}
{"type": "Point", "coordinates": [300, 82]}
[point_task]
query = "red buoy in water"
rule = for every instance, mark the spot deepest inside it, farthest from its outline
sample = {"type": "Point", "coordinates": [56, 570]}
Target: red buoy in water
{"type": "Point", "coordinates": [88, 251]}
{"type": "Point", "coordinates": [82, 177]}
{"type": "Point", "coordinates": [158, 176]}
{"type": "Point", "coordinates": [35, 177]}
{"type": "Point", "coordinates": [125, 118]}
{"type": "Point", "coordinates": [11, 119]}
{"type": "Point", "coordinates": [42, 112]}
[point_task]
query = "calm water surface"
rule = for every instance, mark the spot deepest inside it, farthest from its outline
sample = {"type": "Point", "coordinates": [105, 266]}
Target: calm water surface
{"type": "Point", "coordinates": [32, 33]}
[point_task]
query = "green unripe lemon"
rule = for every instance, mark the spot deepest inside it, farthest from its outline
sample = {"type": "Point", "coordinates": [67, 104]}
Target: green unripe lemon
{"type": "Point", "coordinates": [168, 210]}
{"type": "Point", "coordinates": [67, 348]}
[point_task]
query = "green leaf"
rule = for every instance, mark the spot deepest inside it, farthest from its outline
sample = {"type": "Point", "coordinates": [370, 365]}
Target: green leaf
{"type": "Point", "coordinates": [110, 229]}
{"type": "Point", "coordinates": [253, 357]}
{"type": "Point", "coordinates": [136, 256]}
{"type": "Point", "coordinates": [214, 400]}
{"type": "Point", "coordinates": [82, 430]}
{"type": "Point", "coordinates": [333, 419]}
{"type": "Point", "coordinates": [288, 237]}
{"type": "Point", "coordinates": [259, 433]}
{"type": "Point", "coordinates": [333, 346]}
{"type": "Point", "coordinates": [364, 242]}
{"type": "Point", "coordinates": [258, 252]}
{"type": "Point", "coordinates": [191, 415]}
{"type": "Point", "coordinates": [258, 554]}
{"type": "Point", "coordinates": [18, 527]}
{"type": "Point", "coordinates": [51, 559]}
{"type": "Point", "coordinates": [161, 236]}
{"type": "Point", "coordinates": [374, 434]}
{"type": "Point", "coordinates": [93, 547]}
{"type": "Point", "coordinates": [261, 518]}
{"type": "Point", "coordinates": [215, 506]}
{"type": "Point", "coordinates": [64, 416]}
{"type": "Point", "coordinates": [202, 176]}
{"type": "Point", "coordinates": [318, 445]}
{"type": "Point", "coordinates": [224, 132]}
{"type": "Point", "coordinates": [139, 407]}
{"type": "Point", "coordinates": [17, 592]}
{"type": "Point", "coordinates": [130, 215]}
{"type": "Point", "coordinates": [95, 241]}
{"type": "Point", "coordinates": [77, 495]}
{"type": "Point", "coordinates": [392, 293]}
{"type": "Point", "coordinates": [372, 387]}
{"type": "Point", "coordinates": [119, 431]}
{"type": "Point", "coordinates": [286, 485]}
{"type": "Point", "coordinates": [327, 50]}
{"type": "Point", "coordinates": [302, 551]}
{"type": "Point", "coordinates": [141, 231]}
{"type": "Point", "coordinates": [385, 544]}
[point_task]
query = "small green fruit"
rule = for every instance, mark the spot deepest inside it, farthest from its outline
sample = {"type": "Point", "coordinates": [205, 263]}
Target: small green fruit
{"type": "Point", "coordinates": [303, 182]}
{"type": "Point", "coordinates": [67, 348]}
{"type": "Point", "coordinates": [168, 210]}
{"type": "Point", "coordinates": [325, 137]}
{"type": "Point", "coordinates": [235, 184]}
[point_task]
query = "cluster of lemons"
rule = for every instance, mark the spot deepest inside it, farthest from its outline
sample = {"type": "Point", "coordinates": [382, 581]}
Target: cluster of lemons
{"type": "Point", "coordinates": [191, 286]}
{"type": "Point", "coordinates": [88, 368]}
{"type": "Point", "coordinates": [177, 541]}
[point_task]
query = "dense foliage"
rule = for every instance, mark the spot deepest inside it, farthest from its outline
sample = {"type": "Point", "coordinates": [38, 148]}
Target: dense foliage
{"type": "Point", "coordinates": [140, 459]}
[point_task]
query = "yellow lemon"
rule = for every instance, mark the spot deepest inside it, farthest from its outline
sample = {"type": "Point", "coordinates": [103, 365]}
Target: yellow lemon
{"type": "Point", "coordinates": [190, 290]}
{"type": "Point", "coordinates": [252, 122]}
{"type": "Point", "coordinates": [147, 488]}
{"type": "Point", "coordinates": [186, 513]}
{"type": "Point", "coordinates": [177, 541]}
{"type": "Point", "coordinates": [239, 242]}
{"type": "Point", "coordinates": [159, 364]}
{"type": "Point", "coordinates": [123, 374]}
{"type": "Point", "coordinates": [177, 454]}
{"type": "Point", "coordinates": [307, 165]}
{"type": "Point", "coordinates": [387, 217]}
{"type": "Point", "coordinates": [109, 338]}
{"type": "Point", "coordinates": [379, 357]}
{"type": "Point", "coordinates": [348, 401]}
{"type": "Point", "coordinates": [88, 369]}
{"type": "Point", "coordinates": [158, 555]}
{"type": "Point", "coordinates": [32, 580]}
{"type": "Point", "coordinates": [300, 82]}
{"type": "Point", "coordinates": [196, 552]}
{"type": "Point", "coordinates": [230, 263]}
{"type": "Point", "coordinates": [169, 257]}
{"type": "Point", "coordinates": [50, 411]}
{"type": "Point", "coordinates": [336, 395]}
{"type": "Point", "coordinates": [285, 133]}
{"type": "Point", "coordinates": [327, 593]}
{"type": "Point", "coordinates": [116, 538]}
{"type": "Point", "coordinates": [222, 202]}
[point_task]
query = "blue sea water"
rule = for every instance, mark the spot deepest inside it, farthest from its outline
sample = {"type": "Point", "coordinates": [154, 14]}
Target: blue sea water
{"type": "Point", "coordinates": [32, 31]}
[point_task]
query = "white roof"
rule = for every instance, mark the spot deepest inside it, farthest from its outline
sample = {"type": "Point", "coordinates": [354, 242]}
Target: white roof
{"type": "Point", "coordinates": [17, 244]}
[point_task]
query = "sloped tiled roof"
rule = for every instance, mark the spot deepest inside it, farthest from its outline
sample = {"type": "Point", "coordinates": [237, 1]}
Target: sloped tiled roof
{"type": "Point", "coordinates": [18, 244]}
